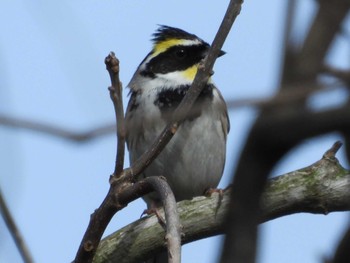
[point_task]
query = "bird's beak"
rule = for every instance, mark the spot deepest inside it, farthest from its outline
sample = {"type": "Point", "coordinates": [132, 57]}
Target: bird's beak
{"type": "Point", "coordinates": [221, 53]}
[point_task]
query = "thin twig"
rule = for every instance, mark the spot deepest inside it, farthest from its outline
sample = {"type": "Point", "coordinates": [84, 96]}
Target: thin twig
{"type": "Point", "coordinates": [116, 94]}
{"type": "Point", "coordinates": [16, 235]}
{"type": "Point", "coordinates": [51, 129]}
{"type": "Point", "coordinates": [110, 205]}
{"type": "Point", "coordinates": [288, 26]}
{"type": "Point", "coordinates": [333, 150]}
{"type": "Point", "coordinates": [287, 96]}
{"type": "Point", "coordinates": [163, 190]}
{"type": "Point", "coordinates": [173, 227]}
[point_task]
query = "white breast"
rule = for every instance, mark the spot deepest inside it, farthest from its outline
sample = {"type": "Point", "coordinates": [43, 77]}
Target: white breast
{"type": "Point", "coordinates": [194, 159]}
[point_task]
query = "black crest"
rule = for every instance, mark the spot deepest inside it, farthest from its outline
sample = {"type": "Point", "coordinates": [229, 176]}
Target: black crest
{"type": "Point", "coordinates": [167, 32]}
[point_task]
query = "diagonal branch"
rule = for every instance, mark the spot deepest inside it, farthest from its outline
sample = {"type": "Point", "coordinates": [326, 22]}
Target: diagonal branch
{"type": "Point", "coordinates": [17, 237]}
{"type": "Point", "coordinates": [323, 31]}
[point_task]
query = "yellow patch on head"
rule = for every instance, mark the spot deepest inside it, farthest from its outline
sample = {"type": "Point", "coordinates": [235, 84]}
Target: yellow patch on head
{"type": "Point", "coordinates": [190, 73]}
{"type": "Point", "coordinates": [164, 45]}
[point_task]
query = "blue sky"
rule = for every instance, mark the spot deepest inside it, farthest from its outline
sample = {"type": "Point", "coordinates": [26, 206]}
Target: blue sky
{"type": "Point", "coordinates": [52, 70]}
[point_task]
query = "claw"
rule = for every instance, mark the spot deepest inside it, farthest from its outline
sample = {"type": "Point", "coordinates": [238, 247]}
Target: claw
{"type": "Point", "coordinates": [220, 191]}
{"type": "Point", "coordinates": [155, 211]}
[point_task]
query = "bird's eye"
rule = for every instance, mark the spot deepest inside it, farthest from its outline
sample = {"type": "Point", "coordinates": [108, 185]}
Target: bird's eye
{"type": "Point", "coordinates": [180, 53]}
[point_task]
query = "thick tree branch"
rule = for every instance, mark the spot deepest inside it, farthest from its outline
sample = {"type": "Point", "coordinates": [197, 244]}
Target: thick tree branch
{"type": "Point", "coordinates": [320, 188]}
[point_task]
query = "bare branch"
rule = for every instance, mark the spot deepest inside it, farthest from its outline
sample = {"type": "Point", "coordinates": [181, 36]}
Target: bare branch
{"type": "Point", "coordinates": [16, 235]}
{"type": "Point", "coordinates": [333, 150]}
{"type": "Point", "coordinates": [116, 94]}
{"type": "Point", "coordinates": [173, 227]}
{"type": "Point", "coordinates": [323, 30]}
{"type": "Point", "coordinates": [50, 129]}
{"type": "Point", "coordinates": [288, 96]}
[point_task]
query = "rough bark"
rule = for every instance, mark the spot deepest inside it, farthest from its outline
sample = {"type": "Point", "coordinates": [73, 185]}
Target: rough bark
{"type": "Point", "coordinates": [320, 188]}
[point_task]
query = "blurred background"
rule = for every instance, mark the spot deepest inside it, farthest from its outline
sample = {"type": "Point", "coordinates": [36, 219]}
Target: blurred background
{"type": "Point", "coordinates": [52, 71]}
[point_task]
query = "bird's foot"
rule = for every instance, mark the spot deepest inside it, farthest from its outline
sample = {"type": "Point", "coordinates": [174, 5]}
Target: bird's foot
{"type": "Point", "coordinates": [155, 211]}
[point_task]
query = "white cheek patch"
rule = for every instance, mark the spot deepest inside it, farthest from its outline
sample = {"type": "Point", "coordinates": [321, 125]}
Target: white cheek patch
{"type": "Point", "coordinates": [168, 80]}
{"type": "Point", "coordinates": [173, 79]}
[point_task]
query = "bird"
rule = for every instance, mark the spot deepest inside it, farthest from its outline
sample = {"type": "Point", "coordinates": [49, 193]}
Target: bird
{"type": "Point", "coordinates": [193, 160]}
